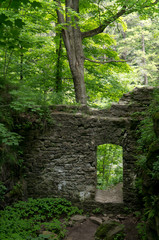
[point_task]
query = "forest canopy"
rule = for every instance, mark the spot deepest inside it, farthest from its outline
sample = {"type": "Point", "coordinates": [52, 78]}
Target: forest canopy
{"type": "Point", "coordinates": [87, 51]}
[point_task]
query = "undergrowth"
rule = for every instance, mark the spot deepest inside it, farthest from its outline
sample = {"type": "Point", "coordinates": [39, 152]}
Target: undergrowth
{"type": "Point", "coordinates": [148, 168]}
{"type": "Point", "coordinates": [36, 219]}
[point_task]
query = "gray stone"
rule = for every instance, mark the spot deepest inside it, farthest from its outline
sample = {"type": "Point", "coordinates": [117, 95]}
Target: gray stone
{"type": "Point", "coordinates": [108, 230]}
{"type": "Point", "coordinates": [105, 219]}
{"type": "Point", "coordinates": [96, 220]}
{"type": "Point", "coordinates": [116, 230]}
{"type": "Point", "coordinates": [61, 160]}
{"type": "Point", "coordinates": [78, 218]}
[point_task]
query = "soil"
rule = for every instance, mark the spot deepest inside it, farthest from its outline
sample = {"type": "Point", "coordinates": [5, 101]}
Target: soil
{"type": "Point", "coordinates": [113, 195]}
{"type": "Point", "coordinates": [87, 229]}
{"type": "Point", "coordinates": [82, 231]}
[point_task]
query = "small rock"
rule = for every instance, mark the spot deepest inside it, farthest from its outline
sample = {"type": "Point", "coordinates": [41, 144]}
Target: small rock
{"type": "Point", "coordinates": [78, 218]}
{"type": "Point", "coordinates": [105, 219]}
{"type": "Point", "coordinates": [70, 223]}
{"type": "Point", "coordinates": [96, 220]}
{"type": "Point", "coordinates": [120, 217]}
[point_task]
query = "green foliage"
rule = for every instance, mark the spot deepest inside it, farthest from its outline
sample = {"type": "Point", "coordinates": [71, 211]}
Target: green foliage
{"type": "Point", "coordinates": [2, 191]}
{"type": "Point", "coordinates": [24, 220]}
{"type": "Point", "coordinates": [138, 45]}
{"type": "Point", "coordinates": [30, 56]}
{"type": "Point", "coordinates": [7, 137]}
{"type": "Point", "coordinates": [109, 165]}
{"type": "Point", "coordinates": [119, 236]}
{"type": "Point", "coordinates": [141, 227]}
{"type": "Point", "coordinates": [148, 168]}
{"type": "Point", "coordinates": [29, 50]}
{"type": "Point", "coordinates": [106, 231]}
{"type": "Point", "coordinates": [97, 210]}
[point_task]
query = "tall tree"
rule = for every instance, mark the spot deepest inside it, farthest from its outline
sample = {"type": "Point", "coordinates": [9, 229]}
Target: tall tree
{"type": "Point", "coordinates": [139, 45]}
{"type": "Point", "coordinates": [106, 13]}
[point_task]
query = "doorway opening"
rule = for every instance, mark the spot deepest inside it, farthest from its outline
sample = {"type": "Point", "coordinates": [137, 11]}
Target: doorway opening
{"type": "Point", "coordinates": [109, 173]}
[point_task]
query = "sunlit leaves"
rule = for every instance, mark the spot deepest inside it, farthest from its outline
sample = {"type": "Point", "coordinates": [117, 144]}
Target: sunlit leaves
{"type": "Point", "coordinates": [109, 165]}
{"type": "Point", "coordinates": [123, 23]}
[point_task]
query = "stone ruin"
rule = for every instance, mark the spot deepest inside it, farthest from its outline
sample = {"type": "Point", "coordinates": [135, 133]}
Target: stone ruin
{"type": "Point", "coordinates": [61, 160]}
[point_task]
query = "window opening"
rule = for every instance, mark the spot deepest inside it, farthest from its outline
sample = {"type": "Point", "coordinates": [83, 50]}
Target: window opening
{"type": "Point", "coordinates": [109, 173]}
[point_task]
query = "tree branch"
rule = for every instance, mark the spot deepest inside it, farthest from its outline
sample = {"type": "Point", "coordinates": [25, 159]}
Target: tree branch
{"type": "Point", "coordinates": [101, 28]}
{"type": "Point", "coordinates": [123, 11]}
{"type": "Point", "coordinates": [104, 62]}
{"type": "Point", "coordinates": [59, 14]}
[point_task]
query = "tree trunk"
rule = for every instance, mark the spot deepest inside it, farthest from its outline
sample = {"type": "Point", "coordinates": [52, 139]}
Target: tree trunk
{"type": "Point", "coordinates": [72, 37]}
{"type": "Point", "coordinates": [124, 53]}
{"type": "Point", "coordinates": [145, 82]}
{"type": "Point", "coordinates": [73, 42]}
{"type": "Point", "coordinates": [76, 63]}
{"type": "Point", "coordinates": [58, 86]}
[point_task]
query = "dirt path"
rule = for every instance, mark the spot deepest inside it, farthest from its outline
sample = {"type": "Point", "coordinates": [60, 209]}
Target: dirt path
{"type": "Point", "coordinates": [82, 231]}
{"type": "Point", "coordinates": [86, 230]}
{"type": "Point", "coordinates": [113, 195]}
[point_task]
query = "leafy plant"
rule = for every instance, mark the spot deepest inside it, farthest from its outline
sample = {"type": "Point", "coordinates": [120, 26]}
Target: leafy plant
{"type": "Point", "coordinates": [2, 191]}
{"type": "Point", "coordinates": [96, 210]}
{"type": "Point", "coordinates": [148, 166]}
{"type": "Point", "coordinates": [24, 220]}
{"type": "Point", "coordinates": [119, 236]}
{"type": "Point", "coordinates": [7, 137]}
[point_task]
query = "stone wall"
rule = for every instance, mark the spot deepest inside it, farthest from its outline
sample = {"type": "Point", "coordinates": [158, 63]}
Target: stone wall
{"type": "Point", "coordinates": [61, 161]}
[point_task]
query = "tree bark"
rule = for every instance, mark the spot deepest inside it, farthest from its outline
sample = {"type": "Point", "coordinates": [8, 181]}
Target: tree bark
{"type": "Point", "coordinates": [145, 82]}
{"type": "Point", "coordinates": [73, 43]}
{"type": "Point", "coordinates": [72, 37]}
{"type": "Point", "coordinates": [58, 86]}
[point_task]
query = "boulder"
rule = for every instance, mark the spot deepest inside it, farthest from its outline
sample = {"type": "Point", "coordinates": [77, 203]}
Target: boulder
{"type": "Point", "coordinates": [96, 220]}
{"type": "Point", "coordinates": [108, 230]}
{"type": "Point", "coordinates": [78, 218]}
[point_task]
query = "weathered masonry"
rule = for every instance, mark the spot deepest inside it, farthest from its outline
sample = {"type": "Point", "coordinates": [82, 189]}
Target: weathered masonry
{"type": "Point", "coordinates": [61, 162]}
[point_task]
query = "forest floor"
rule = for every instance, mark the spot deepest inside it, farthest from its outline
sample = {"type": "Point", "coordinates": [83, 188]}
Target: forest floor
{"type": "Point", "coordinates": [86, 229]}
{"type": "Point", "coordinates": [111, 195]}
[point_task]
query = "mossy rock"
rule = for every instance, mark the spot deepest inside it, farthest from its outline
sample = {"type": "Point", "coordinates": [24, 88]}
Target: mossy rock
{"type": "Point", "coordinates": [108, 230]}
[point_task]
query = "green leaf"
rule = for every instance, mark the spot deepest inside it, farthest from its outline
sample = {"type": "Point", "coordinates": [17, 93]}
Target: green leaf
{"type": "Point", "coordinates": [3, 18]}
{"type": "Point", "coordinates": [35, 4]}
{"type": "Point", "coordinates": [19, 23]}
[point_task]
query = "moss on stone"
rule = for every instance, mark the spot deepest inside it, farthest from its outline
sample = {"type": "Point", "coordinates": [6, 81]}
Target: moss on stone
{"type": "Point", "coordinates": [108, 230]}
